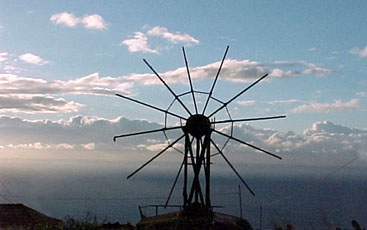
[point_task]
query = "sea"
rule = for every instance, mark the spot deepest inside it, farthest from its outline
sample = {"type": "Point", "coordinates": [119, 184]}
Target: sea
{"type": "Point", "coordinates": [306, 201]}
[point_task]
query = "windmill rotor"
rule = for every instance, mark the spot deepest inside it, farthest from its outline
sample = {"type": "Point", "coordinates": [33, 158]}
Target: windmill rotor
{"type": "Point", "coordinates": [197, 130]}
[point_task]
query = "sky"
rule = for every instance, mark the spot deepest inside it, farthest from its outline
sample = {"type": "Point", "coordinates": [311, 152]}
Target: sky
{"type": "Point", "coordinates": [62, 62]}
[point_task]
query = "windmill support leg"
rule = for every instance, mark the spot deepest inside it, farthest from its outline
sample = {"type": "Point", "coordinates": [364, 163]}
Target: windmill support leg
{"type": "Point", "coordinates": [207, 176]}
{"type": "Point", "coordinates": [187, 142]}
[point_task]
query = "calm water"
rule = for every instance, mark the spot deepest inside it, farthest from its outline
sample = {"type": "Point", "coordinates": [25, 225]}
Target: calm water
{"type": "Point", "coordinates": [306, 202]}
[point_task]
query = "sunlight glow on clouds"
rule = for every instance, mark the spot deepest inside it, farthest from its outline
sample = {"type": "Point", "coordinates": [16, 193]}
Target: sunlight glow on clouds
{"type": "Point", "coordinates": [93, 21]}
{"type": "Point", "coordinates": [33, 59]}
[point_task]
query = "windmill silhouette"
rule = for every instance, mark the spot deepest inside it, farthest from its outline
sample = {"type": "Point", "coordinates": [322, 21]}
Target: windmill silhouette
{"type": "Point", "coordinates": [197, 130]}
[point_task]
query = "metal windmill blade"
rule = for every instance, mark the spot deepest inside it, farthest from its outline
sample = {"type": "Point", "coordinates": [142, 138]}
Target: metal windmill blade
{"type": "Point", "coordinates": [197, 133]}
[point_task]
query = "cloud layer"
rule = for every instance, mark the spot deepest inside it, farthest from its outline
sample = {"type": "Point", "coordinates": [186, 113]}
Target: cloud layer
{"type": "Point", "coordinates": [95, 134]}
{"type": "Point", "coordinates": [16, 95]}
{"type": "Point", "coordinates": [46, 96]}
{"type": "Point", "coordinates": [237, 70]}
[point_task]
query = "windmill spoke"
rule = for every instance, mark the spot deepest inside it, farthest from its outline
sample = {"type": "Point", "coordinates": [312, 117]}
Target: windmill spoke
{"type": "Point", "coordinates": [239, 94]}
{"type": "Point", "coordinates": [151, 106]}
{"type": "Point", "coordinates": [215, 80]}
{"type": "Point", "coordinates": [248, 119]}
{"type": "Point", "coordinates": [174, 183]}
{"type": "Point", "coordinates": [230, 165]}
{"type": "Point", "coordinates": [169, 89]}
{"type": "Point", "coordinates": [145, 132]}
{"type": "Point", "coordinates": [250, 145]}
{"type": "Point", "coordinates": [153, 158]}
{"type": "Point", "coordinates": [188, 75]}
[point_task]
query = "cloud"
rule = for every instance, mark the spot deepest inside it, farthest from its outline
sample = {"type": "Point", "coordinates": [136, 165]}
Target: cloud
{"type": "Point", "coordinates": [233, 70]}
{"type": "Point", "coordinates": [81, 132]}
{"type": "Point", "coordinates": [317, 71]}
{"type": "Point", "coordinates": [89, 146]}
{"type": "Point", "coordinates": [246, 103]}
{"type": "Point", "coordinates": [337, 105]}
{"type": "Point", "coordinates": [91, 84]}
{"type": "Point", "coordinates": [361, 94]}
{"type": "Point", "coordinates": [33, 59]}
{"type": "Point", "coordinates": [159, 31]}
{"type": "Point", "coordinates": [65, 19]}
{"type": "Point", "coordinates": [139, 43]}
{"type": "Point", "coordinates": [290, 101]}
{"type": "Point", "coordinates": [252, 102]}
{"type": "Point", "coordinates": [36, 104]}
{"type": "Point", "coordinates": [40, 146]}
{"type": "Point", "coordinates": [359, 52]}
{"type": "Point", "coordinates": [95, 135]}
{"type": "Point", "coordinates": [3, 56]}
{"type": "Point", "coordinates": [93, 21]}
{"type": "Point", "coordinates": [17, 96]}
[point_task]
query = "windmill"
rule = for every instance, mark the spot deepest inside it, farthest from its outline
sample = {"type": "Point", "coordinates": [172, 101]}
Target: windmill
{"type": "Point", "coordinates": [197, 128]}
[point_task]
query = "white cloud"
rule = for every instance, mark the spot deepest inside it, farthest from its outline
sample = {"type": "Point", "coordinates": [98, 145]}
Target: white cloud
{"type": "Point", "coordinates": [139, 43]}
{"type": "Point", "coordinates": [317, 71]}
{"type": "Point", "coordinates": [90, 84]}
{"type": "Point", "coordinates": [81, 132]}
{"type": "Point", "coordinates": [322, 139]}
{"type": "Point", "coordinates": [33, 59]}
{"type": "Point", "coordinates": [89, 146]}
{"type": "Point", "coordinates": [66, 19]}
{"type": "Point", "coordinates": [36, 104]}
{"type": "Point", "coordinates": [252, 102]}
{"type": "Point", "coordinates": [246, 103]}
{"type": "Point", "coordinates": [162, 32]}
{"type": "Point", "coordinates": [233, 70]}
{"type": "Point", "coordinates": [361, 94]}
{"type": "Point", "coordinates": [93, 21]}
{"type": "Point", "coordinates": [40, 146]}
{"type": "Point", "coordinates": [17, 96]}
{"type": "Point", "coordinates": [312, 49]}
{"type": "Point", "coordinates": [359, 52]}
{"type": "Point", "coordinates": [3, 56]}
{"type": "Point", "coordinates": [337, 105]}
{"type": "Point", "coordinates": [290, 101]}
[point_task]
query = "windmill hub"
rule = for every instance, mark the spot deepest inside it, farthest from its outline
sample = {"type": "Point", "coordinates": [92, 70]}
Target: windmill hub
{"type": "Point", "coordinates": [198, 125]}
